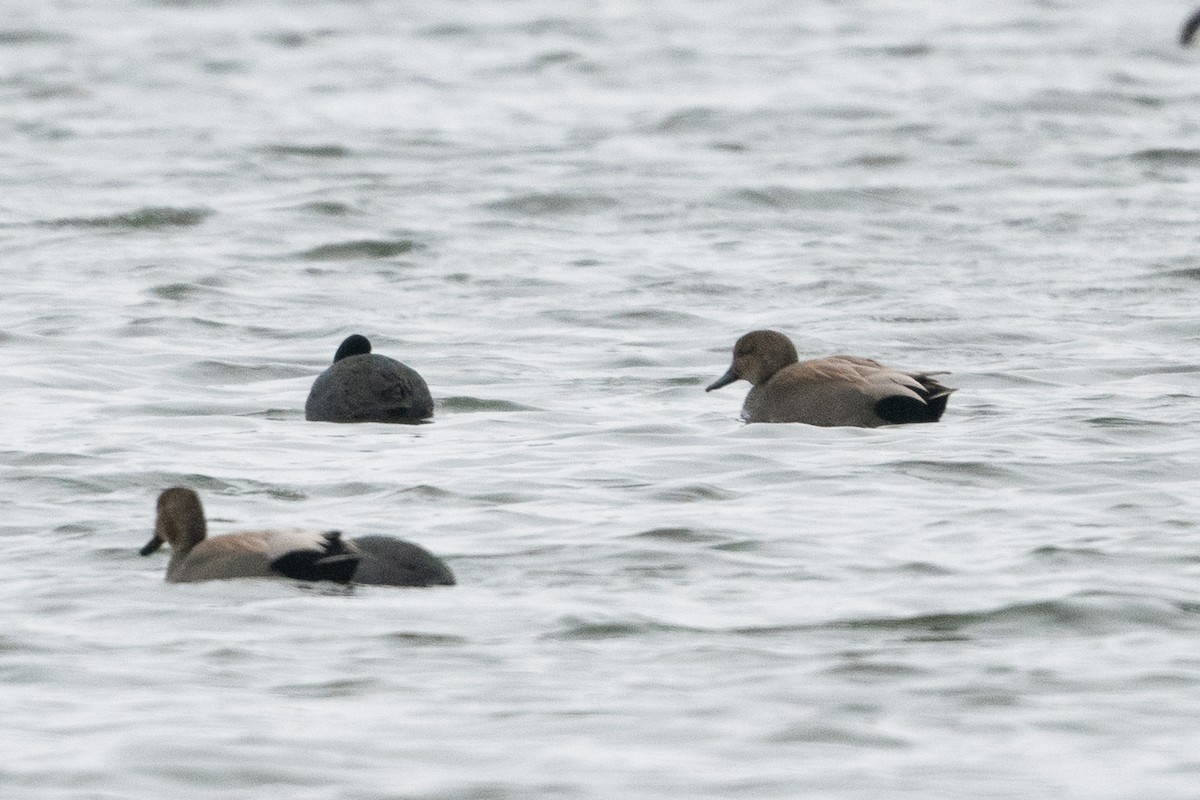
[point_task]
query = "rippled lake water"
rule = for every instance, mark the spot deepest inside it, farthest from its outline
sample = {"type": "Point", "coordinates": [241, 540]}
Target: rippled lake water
{"type": "Point", "coordinates": [563, 216]}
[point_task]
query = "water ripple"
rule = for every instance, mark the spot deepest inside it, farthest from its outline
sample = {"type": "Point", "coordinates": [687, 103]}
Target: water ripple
{"type": "Point", "coordinates": [466, 404]}
{"type": "Point", "coordinates": [544, 204]}
{"type": "Point", "coordinates": [307, 150]}
{"type": "Point", "coordinates": [148, 218]}
{"type": "Point", "coordinates": [17, 37]}
{"type": "Point", "coordinates": [1084, 614]}
{"type": "Point", "coordinates": [1168, 157]}
{"type": "Point", "coordinates": [360, 249]}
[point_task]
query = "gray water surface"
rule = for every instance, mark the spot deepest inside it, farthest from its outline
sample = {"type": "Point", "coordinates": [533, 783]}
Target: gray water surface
{"type": "Point", "coordinates": [563, 216]}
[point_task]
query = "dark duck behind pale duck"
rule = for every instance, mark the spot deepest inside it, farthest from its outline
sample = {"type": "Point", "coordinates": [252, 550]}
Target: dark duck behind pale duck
{"type": "Point", "coordinates": [361, 386]}
{"type": "Point", "coordinates": [833, 391]}
{"type": "Point", "coordinates": [302, 555]}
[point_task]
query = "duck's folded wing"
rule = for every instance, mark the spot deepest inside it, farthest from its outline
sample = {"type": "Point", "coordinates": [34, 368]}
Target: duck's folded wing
{"type": "Point", "coordinates": [859, 364]}
{"type": "Point", "coordinates": [835, 369]}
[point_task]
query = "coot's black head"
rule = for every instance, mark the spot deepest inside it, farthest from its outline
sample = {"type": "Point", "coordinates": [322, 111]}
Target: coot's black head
{"type": "Point", "coordinates": [355, 345]}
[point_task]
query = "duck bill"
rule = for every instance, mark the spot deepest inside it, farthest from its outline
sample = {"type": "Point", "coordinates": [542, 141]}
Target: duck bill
{"type": "Point", "coordinates": [729, 377]}
{"type": "Point", "coordinates": [151, 545]}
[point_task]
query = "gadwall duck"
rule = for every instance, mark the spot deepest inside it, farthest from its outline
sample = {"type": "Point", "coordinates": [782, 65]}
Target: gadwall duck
{"type": "Point", "coordinates": [361, 386]}
{"type": "Point", "coordinates": [306, 556]}
{"type": "Point", "coordinates": [838, 390]}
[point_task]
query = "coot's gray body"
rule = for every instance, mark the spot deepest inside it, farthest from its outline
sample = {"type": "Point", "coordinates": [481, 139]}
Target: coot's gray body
{"type": "Point", "coordinates": [361, 386]}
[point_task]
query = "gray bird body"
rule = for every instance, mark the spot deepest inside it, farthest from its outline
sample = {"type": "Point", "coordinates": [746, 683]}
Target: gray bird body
{"type": "Point", "coordinates": [361, 386]}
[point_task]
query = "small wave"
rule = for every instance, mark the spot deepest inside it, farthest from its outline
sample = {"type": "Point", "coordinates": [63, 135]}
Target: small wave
{"type": "Point", "coordinates": [694, 493]}
{"type": "Point", "coordinates": [11, 644]}
{"type": "Point", "coordinates": [740, 546]}
{"type": "Point", "coordinates": [920, 568]}
{"type": "Point", "coordinates": [362, 248]}
{"type": "Point", "coordinates": [47, 459]}
{"type": "Point", "coordinates": [1086, 103]}
{"type": "Point", "coordinates": [307, 150]}
{"type": "Point", "coordinates": [446, 30]}
{"type": "Point", "coordinates": [555, 58]}
{"type": "Point", "coordinates": [1132, 422]}
{"type": "Point", "coordinates": [151, 217]}
{"type": "Point", "coordinates": [1057, 554]}
{"type": "Point", "coordinates": [1168, 156]}
{"type": "Point", "coordinates": [868, 668]}
{"type": "Point", "coordinates": [289, 39]}
{"type": "Point", "coordinates": [49, 91]}
{"type": "Point", "coordinates": [689, 120]}
{"type": "Point", "coordinates": [544, 204]}
{"type": "Point", "coordinates": [330, 208]}
{"type": "Point", "coordinates": [414, 638]}
{"type": "Point", "coordinates": [597, 630]}
{"type": "Point", "coordinates": [30, 36]}
{"type": "Point", "coordinates": [227, 372]}
{"type": "Point", "coordinates": [343, 687]}
{"type": "Point", "coordinates": [203, 484]}
{"type": "Point", "coordinates": [1187, 273]}
{"type": "Point", "coordinates": [786, 198]}
{"type": "Point", "coordinates": [959, 472]}
{"type": "Point", "coordinates": [853, 112]}
{"type": "Point", "coordinates": [1086, 613]}
{"type": "Point", "coordinates": [466, 404]}
{"type": "Point", "coordinates": [658, 315]}
{"type": "Point", "coordinates": [424, 491]}
{"type": "Point", "coordinates": [677, 535]}
{"type": "Point", "coordinates": [576, 628]}
{"type": "Point", "coordinates": [178, 291]}
{"type": "Point", "coordinates": [633, 362]}
{"type": "Point", "coordinates": [913, 50]}
{"type": "Point", "coordinates": [564, 25]}
{"type": "Point", "coordinates": [877, 160]}
{"type": "Point", "coordinates": [68, 487]}
{"type": "Point", "coordinates": [273, 490]}
{"type": "Point", "coordinates": [813, 733]}
{"type": "Point", "coordinates": [505, 498]}
{"type": "Point", "coordinates": [184, 408]}
{"type": "Point", "coordinates": [355, 489]}
{"type": "Point", "coordinates": [209, 485]}
{"type": "Point", "coordinates": [273, 414]}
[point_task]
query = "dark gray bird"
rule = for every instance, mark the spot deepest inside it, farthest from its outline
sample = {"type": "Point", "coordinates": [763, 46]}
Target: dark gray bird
{"type": "Point", "coordinates": [361, 386]}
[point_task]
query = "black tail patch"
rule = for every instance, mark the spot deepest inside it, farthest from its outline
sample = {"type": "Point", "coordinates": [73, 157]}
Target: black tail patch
{"type": "Point", "coordinates": [899, 409]}
{"type": "Point", "coordinates": [334, 561]}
